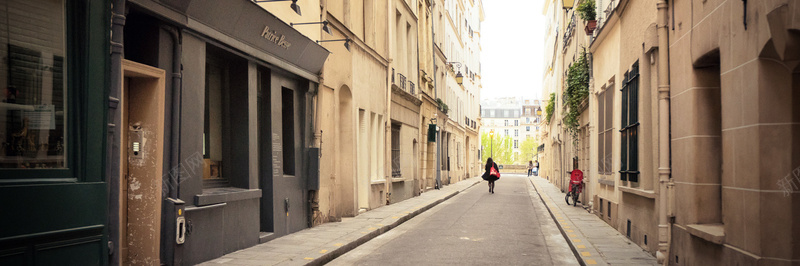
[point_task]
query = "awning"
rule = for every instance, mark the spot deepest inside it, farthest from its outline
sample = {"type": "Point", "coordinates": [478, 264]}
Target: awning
{"type": "Point", "coordinates": [245, 22]}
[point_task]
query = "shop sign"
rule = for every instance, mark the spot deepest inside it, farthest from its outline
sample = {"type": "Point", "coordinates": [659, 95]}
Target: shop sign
{"type": "Point", "coordinates": [275, 37]}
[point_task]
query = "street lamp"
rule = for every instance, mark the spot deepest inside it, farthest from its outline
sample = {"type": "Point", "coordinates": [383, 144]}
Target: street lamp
{"type": "Point", "coordinates": [459, 77]}
{"type": "Point", "coordinates": [324, 25]}
{"type": "Point", "coordinates": [539, 111]}
{"type": "Point", "coordinates": [294, 5]}
{"type": "Point", "coordinates": [491, 147]}
{"type": "Point", "coordinates": [346, 42]}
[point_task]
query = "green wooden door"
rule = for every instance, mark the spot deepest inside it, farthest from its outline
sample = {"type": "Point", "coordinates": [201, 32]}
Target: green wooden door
{"type": "Point", "coordinates": [55, 72]}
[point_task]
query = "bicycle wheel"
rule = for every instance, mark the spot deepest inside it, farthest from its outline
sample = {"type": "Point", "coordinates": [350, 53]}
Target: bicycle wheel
{"type": "Point", "coordinates": [575, 198]}
{"type": "Point", "coordinates": [569, 195]}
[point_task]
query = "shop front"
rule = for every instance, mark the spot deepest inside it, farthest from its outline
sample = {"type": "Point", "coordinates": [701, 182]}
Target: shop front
{"type": "Point", "coordinates": [234, 167]}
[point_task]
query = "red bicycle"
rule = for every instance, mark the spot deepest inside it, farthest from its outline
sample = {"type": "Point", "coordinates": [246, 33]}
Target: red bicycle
{"type": "Point", "coordinates": [575, 187]}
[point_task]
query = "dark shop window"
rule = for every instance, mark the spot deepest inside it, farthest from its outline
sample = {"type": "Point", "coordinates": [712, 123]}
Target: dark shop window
{"type": "Point", "coordinates": [287, 96]}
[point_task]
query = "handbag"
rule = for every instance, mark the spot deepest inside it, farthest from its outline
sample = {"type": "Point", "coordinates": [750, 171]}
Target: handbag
{"type": "Point", "coordinates": [493, 172]}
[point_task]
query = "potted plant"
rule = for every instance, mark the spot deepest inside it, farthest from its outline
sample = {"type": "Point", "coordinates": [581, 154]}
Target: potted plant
{"type": "Point", "coordinates": [586, 10]}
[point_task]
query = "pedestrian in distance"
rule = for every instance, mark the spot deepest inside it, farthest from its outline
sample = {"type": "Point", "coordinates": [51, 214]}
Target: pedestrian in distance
{"type": "Point", "coordinates": [536, 168]}
{"type": "Point", "coordinates": [530, 168]}
{"type": "Point", "coordinates": [491, 174]}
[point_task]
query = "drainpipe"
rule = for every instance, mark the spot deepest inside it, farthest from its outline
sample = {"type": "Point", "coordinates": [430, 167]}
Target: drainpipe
{"type": "Point", "coordinates": [171, 251]}
{"type": "Point", "coordinates": [437, 165]}
{"type": "Point", "coordinates": [175, 130]}
{"type": "Point", "coordinates": [114, 130]}
{"type": "Point", "coordinates": [664, 171]}
{"type": "Point", "coordinates": [387, 124]}
{"type": "Point", "coordinates": [316, 142]}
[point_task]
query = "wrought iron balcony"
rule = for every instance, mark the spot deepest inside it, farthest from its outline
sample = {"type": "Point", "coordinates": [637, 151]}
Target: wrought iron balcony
{"type": "Point", "coordinates": [601, 20]}
{"type": "Point", "coordinates": [569, 31]}
{"type": "Point", "coordinates": [401, 80]}
{"type": "Point", "coordinates": [411, 88]}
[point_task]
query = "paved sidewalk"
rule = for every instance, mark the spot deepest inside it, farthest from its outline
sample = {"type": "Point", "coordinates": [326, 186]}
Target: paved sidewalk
{"type": "Point", "coordinates": [321, 244]}
{"type": "Point", "coordinates": [592, 240]}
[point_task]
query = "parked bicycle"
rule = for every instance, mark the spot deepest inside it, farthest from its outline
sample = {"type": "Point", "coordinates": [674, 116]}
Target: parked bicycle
{"type": "Point", "coordinates": [575, 187]}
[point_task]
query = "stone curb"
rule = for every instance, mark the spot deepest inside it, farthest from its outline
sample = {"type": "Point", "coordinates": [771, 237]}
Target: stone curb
{"type": "Point", "coordinates": [333, 254]}
{"type": "Point", "coordinates": [560, 226]}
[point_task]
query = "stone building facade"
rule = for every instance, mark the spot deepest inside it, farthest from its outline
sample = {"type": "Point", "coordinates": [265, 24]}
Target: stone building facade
{"type": "Point", "coordinates": [566, 41]}
{"type": "Point", "coordinates": [700, 99]}
{"type": "Point", "coordinates": [734, 132]}
{"type": "Point", "coordinates": [624, 109]}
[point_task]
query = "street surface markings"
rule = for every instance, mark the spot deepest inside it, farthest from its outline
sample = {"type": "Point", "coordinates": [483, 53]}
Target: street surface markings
{"type": "Point", "coordinates": [576, 240]}
{"type": "Point", "coordinates": [573, 235]}
{"type": "Point", "coordinates": [561, 220]}
{"type": "Point", "coordinates": [566, 227]}
{"type": "Point", "coordinates": [307, 258]}
{"type": "Point", "coordinates": [407, 212]}
{"type": "Point", "coordinates": [581, 246]}
{"type": "Point", "coordinates": [569, 231]}
{"type": "Point", "coordinates": [394, 217]}
{"type": "Point", "coordinates": [338, 244]}
{"type": "Point", "coordinates": [323, 251]}
{"type": "Point", "coordinates": [372, 228]}
{"type": "Point", "coordinates": [591, 262]}
{"type": "Point", "coordinates": [586, 254]}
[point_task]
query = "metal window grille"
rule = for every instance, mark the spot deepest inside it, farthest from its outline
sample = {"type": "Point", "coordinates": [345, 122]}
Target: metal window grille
{"type": "Point", "coordinates": [629, 170]}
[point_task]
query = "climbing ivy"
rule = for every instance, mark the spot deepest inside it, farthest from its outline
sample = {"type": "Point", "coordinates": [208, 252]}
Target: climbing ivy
{"type": "Point", "coordinates": [577, 90]}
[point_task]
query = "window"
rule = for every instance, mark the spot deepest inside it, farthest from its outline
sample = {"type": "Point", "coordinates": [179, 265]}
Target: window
{"type": "Point", "coordinates": [605, 105]}
{"type": "Point", "coordinates": [288, 131]}
{"type": "Point", "coordinates": [528, 128]}
{"type": "Point", "coordinates": [226, 84]}
{"type": "Point", "coordinates": [629, 167]}
{"type": "Point", "coordinates": [516, 144]}
{"type": "Point", "coordinates": [506, 122]}
{"type": "Point", "coordinates": [33, 124]}
{"type": "Point", "coordinates": [506, 132]}
{"type": "Point", "coordinates": [516, 132]}
{"type": "Point", "coordinates": [212, 127]}
{"type": "Point", "coordinates": [516, 122]}
{"type": "Point", "coordinates": [396, 150]}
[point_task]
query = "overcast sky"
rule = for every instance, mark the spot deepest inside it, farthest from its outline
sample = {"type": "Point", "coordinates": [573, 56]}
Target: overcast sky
{"type": "Point", "coordinates": [512, 40]}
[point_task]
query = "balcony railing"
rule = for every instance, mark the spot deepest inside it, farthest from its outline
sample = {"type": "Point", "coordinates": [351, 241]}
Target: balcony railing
{"type": "Point", "coordinates": [601, 20]}
{"type": "Point", "coordinates": [569, 31]}
{"type": "Point", "coordinates": [401, 81]}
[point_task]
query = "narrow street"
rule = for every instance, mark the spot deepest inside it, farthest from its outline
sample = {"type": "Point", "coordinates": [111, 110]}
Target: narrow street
{"type": "Point", "coordinates": [510, 227]}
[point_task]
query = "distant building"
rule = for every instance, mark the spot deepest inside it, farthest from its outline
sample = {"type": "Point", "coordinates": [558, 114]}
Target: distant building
{"type": "Point", "coordinates": [512, 117]}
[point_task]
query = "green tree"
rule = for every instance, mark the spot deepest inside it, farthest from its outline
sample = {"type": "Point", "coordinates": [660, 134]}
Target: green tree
{"type": "Point", "coordinates": [528, 150]}
{"type": "Point", "coordinates": [502, 146]}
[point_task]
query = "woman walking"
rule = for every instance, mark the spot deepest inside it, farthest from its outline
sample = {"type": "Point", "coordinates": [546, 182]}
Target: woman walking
{"type": "Point", "coordinates": [530, 168]}
{"type": "Point", "coordinates": [491, 174]}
